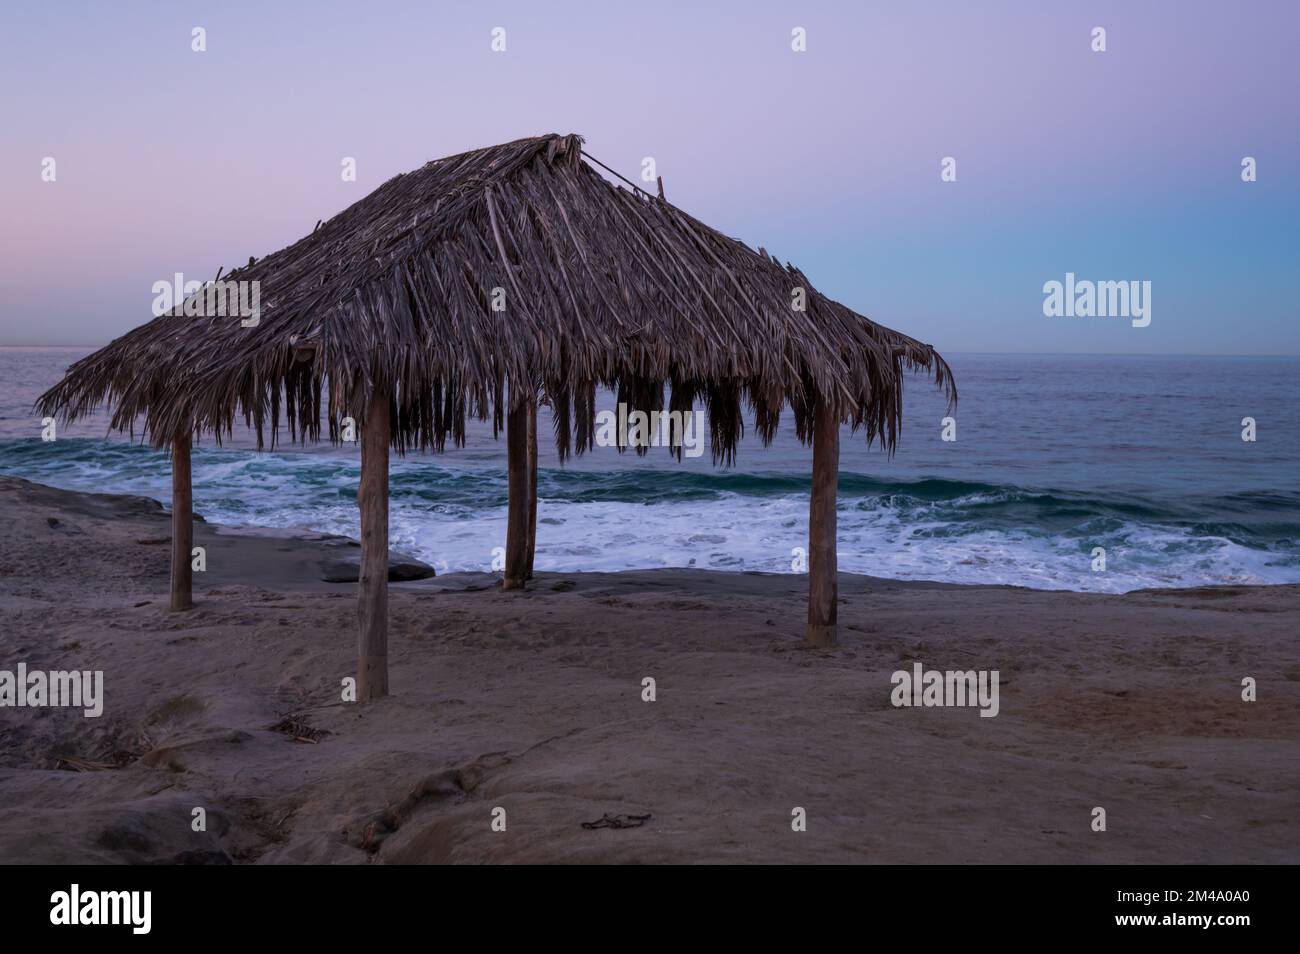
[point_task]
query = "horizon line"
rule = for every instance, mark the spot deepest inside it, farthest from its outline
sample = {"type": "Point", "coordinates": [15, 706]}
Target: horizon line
{"type": "Point", "coordinates": [1011, 354]}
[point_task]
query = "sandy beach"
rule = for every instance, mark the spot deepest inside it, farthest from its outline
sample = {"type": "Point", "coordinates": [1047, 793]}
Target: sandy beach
{"type": "Point", "coordinates": [532, 702]}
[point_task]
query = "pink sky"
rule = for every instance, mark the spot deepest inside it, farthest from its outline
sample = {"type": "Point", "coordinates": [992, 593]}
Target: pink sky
{"type": "Point", "coordinates": [1122, 165]}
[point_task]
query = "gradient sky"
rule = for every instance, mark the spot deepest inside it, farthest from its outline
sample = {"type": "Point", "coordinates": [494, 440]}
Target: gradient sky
{"type": "Point", "coordinates": [1116, 165]}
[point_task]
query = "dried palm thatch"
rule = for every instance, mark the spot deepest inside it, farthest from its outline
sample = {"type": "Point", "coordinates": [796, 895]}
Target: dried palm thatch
{"type": "Point", "coordinates": [602, 285]}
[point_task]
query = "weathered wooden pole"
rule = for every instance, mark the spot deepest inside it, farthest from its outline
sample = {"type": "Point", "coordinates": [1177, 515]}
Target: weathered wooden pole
{"type": "Point", "coordinates": [372, 584]}
{"type": "Point", "coordinates": [530, 547]}
{"type": "Point", "coordinates": [182, 524]}
{"type": "Point", "coordinates": [822, 563]}
{"type": "Point", "coordinates": [517, 518]}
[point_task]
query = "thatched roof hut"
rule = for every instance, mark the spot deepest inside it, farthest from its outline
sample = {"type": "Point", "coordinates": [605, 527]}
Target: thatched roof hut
{"type": "Point", "coordinates": [474, 287]}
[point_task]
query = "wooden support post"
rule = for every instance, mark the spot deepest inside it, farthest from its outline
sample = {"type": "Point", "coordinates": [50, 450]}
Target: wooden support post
{"type": "Point", "coordinates": [530, 547]}
{"type": "Point", "coordinates": [182, 524]}
{"type": "Point", "coordinates": [372, 585]}
{"type": "Point", "coordinates": [517, 520]}
{"type": "Point", "coordinates": [823, 591]}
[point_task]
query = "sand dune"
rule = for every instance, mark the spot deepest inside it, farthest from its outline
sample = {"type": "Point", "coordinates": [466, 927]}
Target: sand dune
{"type": "Point", "coordinates": [532, 702]}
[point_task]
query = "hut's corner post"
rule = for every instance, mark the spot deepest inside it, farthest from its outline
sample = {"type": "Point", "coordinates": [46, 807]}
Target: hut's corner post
{"type": "Point", "coordinates": [530, 547]}
{"type": "Point", "coordinates": [823, 590]}
{"type": "Point", "coordinates": [182, 524]}
{"type": "Point", "coordinates": [517, 518]}
{"type": "Point", "coordinates": [372, 585]}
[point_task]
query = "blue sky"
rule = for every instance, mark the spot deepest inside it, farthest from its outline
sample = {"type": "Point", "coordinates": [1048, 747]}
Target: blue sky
{"type": "Point", "coordinates": [1122, 165]}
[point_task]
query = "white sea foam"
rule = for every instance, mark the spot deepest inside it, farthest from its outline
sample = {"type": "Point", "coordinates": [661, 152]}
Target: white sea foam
{"type": "Point", "coordinates": [454, 518]}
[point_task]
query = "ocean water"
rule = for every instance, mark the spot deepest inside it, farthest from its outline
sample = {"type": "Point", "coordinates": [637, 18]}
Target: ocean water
{"type": "Point", "coordinates": [1054, 455]}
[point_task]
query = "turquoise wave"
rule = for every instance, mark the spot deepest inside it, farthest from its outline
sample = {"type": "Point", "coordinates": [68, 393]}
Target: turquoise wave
{"type": "Point", "coordinates": [930, 527]}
